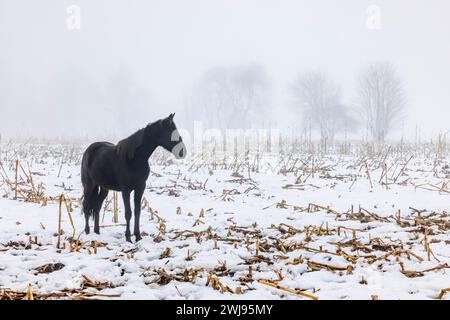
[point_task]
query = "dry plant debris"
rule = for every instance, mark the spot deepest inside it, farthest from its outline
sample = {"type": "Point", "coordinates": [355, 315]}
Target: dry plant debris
{"type": "Point", "coordinates": [287, 226]}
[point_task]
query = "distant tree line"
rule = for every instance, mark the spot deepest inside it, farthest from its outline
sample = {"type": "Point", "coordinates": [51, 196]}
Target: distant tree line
{"type": "Point", "coordinates": [238, 97]}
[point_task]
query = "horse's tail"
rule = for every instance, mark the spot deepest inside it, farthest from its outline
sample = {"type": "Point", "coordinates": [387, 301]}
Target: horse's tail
{"type": "Point", "coordinates": [89, 188]}
{"type": "Point", "coordinates": [85, 168]}
{"type": "Point", "coordinates": [90, 192]}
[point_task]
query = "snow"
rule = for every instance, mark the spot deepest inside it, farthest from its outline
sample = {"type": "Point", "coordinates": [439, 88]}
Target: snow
{"type": "Point", "coordinates": [267, 208]}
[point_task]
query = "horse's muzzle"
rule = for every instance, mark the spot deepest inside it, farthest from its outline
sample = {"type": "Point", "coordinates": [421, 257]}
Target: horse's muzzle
{"type": "Point", "coordinates": [179, 151]}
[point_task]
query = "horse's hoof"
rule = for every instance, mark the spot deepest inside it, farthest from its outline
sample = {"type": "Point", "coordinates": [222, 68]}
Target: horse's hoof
{"type": "Point", "coordinates": [128, 238]}
{"type": "Point", "coordinates": [138, 237]}
{"type": "Point", "coordinates": [97, 231]}
{"type": "Point", "coordinates": [86, 231]}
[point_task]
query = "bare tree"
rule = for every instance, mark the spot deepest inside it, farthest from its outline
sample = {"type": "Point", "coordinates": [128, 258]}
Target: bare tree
{"type": "Point", "coordinates": [232, 97]}
{"type": "Point", "coordinates": [126, 100]}
{"type": "Point", "coordinates": [320, 100]}
{"type": "Point", "coordinates": [381, 99]}
{"type": "Point", "coordinates": [117, 103]}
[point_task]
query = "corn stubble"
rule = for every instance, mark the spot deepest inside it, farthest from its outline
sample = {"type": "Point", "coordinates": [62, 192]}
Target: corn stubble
{"type": "Point", "coordinates": [282, 244]}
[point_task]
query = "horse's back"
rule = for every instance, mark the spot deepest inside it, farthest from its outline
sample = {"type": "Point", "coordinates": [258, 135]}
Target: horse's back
{"type": "Point", "coordinates": [103, 166]}
{"type": "Point", "coordinates": [93, 147]}
{"type": "Point", "coordinates": [95, 151]}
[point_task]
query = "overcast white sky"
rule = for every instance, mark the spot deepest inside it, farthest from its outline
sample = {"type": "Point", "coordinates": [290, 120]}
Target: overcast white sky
{"type": "Point", "coordinates": [166, 45]}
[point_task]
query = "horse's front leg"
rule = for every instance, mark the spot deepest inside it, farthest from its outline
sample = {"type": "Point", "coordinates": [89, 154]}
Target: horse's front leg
{"type": "Point", "coordinates": [138, 192]}
{"type": "Point", "coordinates": [126, 202]}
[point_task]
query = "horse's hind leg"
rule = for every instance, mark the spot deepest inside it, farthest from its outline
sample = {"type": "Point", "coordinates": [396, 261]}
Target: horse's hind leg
{"type": "Point", "coordinates": [89, 197]}
{"type": "Point", "coordinates": [98, 205]}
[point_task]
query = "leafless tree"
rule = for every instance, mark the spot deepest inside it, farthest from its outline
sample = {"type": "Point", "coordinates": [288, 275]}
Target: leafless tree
{"type": "Point", "coordinates": [381, 99]}
{"type": "Point", "coordinates": [127, 101]}
{"type": "Point", "coordinates": [320, 100]}
{"type": "Point", "coordinates": [232, 97]}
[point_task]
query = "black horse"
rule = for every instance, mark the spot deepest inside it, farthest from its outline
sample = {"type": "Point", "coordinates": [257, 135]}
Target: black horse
{"type": "Point", "coordinates": [124, 167]}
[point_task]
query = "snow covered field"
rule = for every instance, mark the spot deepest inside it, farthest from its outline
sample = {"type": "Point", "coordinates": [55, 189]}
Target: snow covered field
{"type": "Point", "coordinates": [293, 226]}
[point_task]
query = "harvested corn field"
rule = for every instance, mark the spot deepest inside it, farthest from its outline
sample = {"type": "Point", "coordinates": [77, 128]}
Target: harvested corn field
{"type": "Point", "coordinates": [362, 222]}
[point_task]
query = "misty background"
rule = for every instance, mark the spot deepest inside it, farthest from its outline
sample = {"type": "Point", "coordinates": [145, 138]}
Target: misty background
{"type": "Point", "coordinates": [227, 63]}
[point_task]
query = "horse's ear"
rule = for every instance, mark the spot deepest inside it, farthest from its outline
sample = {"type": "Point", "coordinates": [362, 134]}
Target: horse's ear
{"type": "Point", "coordinates": [127, 147]}
{"type": "Point", "coordinates": [170, 117]}
{"type": "Point", "coordinates": [168, 120]}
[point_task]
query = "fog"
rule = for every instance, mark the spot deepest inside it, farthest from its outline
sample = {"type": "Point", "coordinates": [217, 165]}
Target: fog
{"type": "Point", "coordinates": [133, 62]}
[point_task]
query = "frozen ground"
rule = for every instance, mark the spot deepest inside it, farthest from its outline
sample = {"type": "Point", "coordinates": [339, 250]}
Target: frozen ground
{"type": "Point", "coordinates": [333, 227]}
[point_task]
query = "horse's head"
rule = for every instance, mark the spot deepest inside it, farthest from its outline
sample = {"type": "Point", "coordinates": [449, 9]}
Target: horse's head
{"type": "Point", "coordinates": [169, 138]}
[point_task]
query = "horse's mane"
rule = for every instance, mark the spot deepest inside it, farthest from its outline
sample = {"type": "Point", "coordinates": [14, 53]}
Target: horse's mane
{"type": "Point", "coordinates": [126, 148]}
